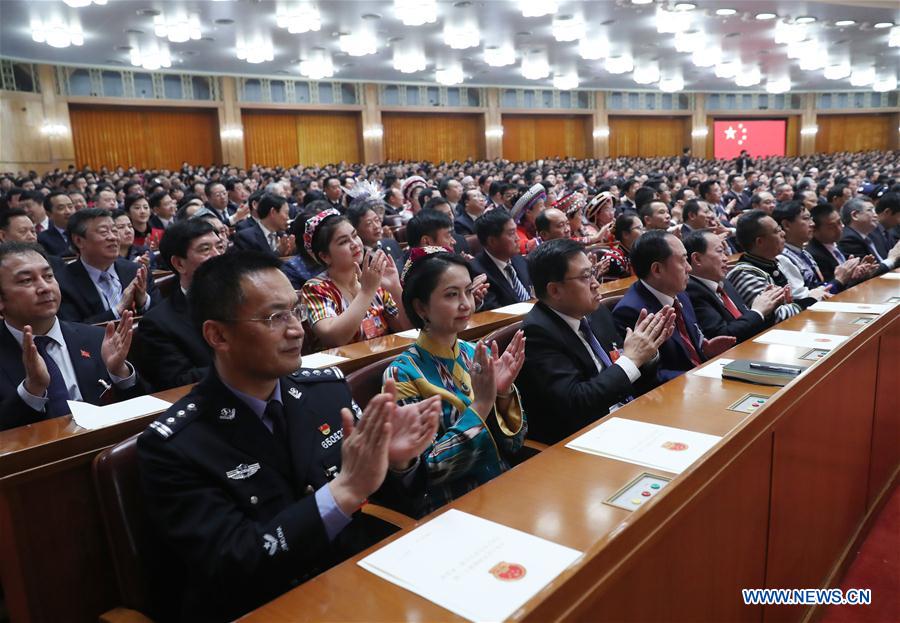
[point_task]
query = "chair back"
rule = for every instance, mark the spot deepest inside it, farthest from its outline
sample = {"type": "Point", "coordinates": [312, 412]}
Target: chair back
{"type": "Point", "coordinates": [400, 234]}
{"type": "Point", "coordinates": [474, 244]}
{"type": "Point", "coordinates": [392, 220]}
{"type": "Point", "coordinates": [365, 383]}
{"type": "Point", "coordinates": [611, 301]}
{"type": "Point", "coordinates": [503, 335]}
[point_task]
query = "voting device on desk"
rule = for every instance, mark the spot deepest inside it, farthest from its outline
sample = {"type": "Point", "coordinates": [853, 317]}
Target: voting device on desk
{"type": "Point", "coordinates": [762, 372]}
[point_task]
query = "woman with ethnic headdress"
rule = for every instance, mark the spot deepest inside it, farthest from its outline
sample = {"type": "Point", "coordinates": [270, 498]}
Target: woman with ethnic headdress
{"type": "Point", "coordinates": [355, 297]}
{"type": "Point", "coordinates": [524, 212]}
{"type": "Point", "coordinates": [600, 214]}
{"type": "Point", "coordinates": [572, 205]}
{"type": "Point", "coordinates": [482, 423]}
{"type": "Point", "coordinates": [366, 211]}
{"type": "Point", "coordinates": [626, 229]}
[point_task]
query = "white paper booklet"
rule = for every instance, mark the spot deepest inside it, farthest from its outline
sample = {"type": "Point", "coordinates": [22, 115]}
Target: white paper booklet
{"type": "Point", "coordinates": [713, 369]}
{"type": "Point", "coordinates": [516, 309]}
{"type": "Point", "coordinates": [320, 360]}
{"type": "Point", "coordinates": [93, 417]}
{"type": "Point", "coordinates": [851, 308]}
{"type": "Point", "coordinates": [412, 334]}
{"type": "Point", "coordinates": [661, 447]}
{"type": "Point", "coordinates": [890, 276]}
{"type": "Point", "coordinates": [803, 339]}
{"type": "Point", "coordinates": [473, 567]}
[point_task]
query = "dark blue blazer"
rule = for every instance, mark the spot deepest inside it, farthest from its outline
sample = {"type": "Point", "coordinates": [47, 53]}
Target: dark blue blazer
{"type": "Point", "coordinates": [713, 317]}
{"type": "Point", "coordinates": [854, 243]}
{"type": "Point", "coordinates": [464, 224]}
{"type": "Point", "coordinates": [80, 299]}
{"type": "Point", "coordinates": [252, 238]}
{"type": "Point", "coordinates": [80, 339]}
{"type": "Point", "coordinates": [501, 293]}
{"type": "Point", "coordinates": [673, 355]}
{"type": "Point", "coordinates": [54, 243]}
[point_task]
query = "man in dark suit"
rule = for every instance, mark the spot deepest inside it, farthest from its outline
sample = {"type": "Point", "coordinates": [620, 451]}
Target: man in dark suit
{"type": "Point", "coordinates": [661, 265]}
{"type": "Point", "coordinates": [169, 349]}
{"type": "Point", "coordinates": [888, 213]}
{"type": "Point", "coordinates": [440, 204]}
{"type": "Point", "coordinates": [574, 372]}
{"type": "Point", "coordinates": [44, 361]}
{"type": "Point", "coordinates": [719, 308]}
{"type": "Point", "coordinates": [275, 459]}
{"type": "Point", "coordinates": [99, 285]}
{"type": "Point", "coordinates": [827, 231]}
{"type": "Point", "coordinates": [506, 270]}
{"type": "Point", "coordinates": [473, 208]}
{"type": "Point", "coordinates": [265, 235]}
{"type": "Point", "coordinates": [55, 238]}
{"type": "Point", "coordinates": [163, 207]}
{"type": "Point", "coordinates": [860, 220]}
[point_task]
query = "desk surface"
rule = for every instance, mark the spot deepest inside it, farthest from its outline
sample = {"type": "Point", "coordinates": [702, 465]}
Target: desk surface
{"type": "Point", "coordinates": [564, 490]}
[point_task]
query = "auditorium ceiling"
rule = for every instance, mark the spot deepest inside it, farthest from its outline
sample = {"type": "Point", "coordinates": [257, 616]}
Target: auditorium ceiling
{"type": "Point", "coordinates": [623, 44]}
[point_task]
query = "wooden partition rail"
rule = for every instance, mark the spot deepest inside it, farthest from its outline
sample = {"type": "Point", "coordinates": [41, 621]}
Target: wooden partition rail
{"type": "Point", "coordinates": [54, 560]}
{"type": "Point", "coordinates": [778, 503]}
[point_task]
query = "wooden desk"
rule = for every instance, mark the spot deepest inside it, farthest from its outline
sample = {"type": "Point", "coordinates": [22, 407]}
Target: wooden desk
{"type": "Point", "coordinates": [778, 503]}
{"type": "Point", "coordinates": [54, 560]}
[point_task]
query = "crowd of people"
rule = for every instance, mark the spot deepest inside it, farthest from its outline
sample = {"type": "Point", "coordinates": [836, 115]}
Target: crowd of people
{"type": "Point", "coordinates": [253, 480]}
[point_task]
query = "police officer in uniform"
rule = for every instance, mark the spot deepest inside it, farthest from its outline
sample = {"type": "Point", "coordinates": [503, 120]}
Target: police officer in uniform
{"type": "Point", "coordinates": [252, 482]}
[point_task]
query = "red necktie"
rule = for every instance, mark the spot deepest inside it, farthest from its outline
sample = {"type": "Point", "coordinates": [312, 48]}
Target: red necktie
{"type": "Point", "coordinates": [729, 304]}
{"type": "Point", "coordinates": [38, 228]}
{"type": "Point", "coordinates": [685, 336]}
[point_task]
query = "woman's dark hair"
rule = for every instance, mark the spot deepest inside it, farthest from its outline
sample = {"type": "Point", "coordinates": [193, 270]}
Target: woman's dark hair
{"type": "Point", "coordinates": [357, 211]}
{"type": "Point", "coordinates": [422, 279]}
{"type": "Point", "coordinates": [130, 200]}
{"type": "Point", "coordinates": [624, 224]}
{"type": "Point", "coordinates": [324, 233]}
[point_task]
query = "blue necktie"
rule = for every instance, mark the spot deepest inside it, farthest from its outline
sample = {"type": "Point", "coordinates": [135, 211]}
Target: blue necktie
{"type": "Point", "coordinates": [838, 255]}
{"type": "Point", "coordinates": [110, 291]}
{"type": "Point", "coordinates": [598, 349]}
{"type": "Point", "coordinates": [57, 392]}
{"type": "Point", "coordinates": [518, 288]}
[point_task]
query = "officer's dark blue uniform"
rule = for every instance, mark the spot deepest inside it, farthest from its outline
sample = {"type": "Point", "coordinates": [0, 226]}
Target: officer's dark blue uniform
{"type": "Point", "coordinates": [234, 506]}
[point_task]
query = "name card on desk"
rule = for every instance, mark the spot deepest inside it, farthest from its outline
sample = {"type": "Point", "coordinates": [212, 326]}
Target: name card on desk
{"type": "Point", "coordinates": [320, 360]}
{"type": "Point", "coordinates": [651, 445]}
{"type": "Point", "coordinates": [712, 370]}
{"type": "Point", "coordinates": [851, 308]}
{"type": "Point", "coordinates": [803, 339]}
{"type": "Point", "coordinates": [93, 417]}
{"type": "Point", "coordinates": [516, 309]}
{"type": "Point", "coordinates": [473, 567]}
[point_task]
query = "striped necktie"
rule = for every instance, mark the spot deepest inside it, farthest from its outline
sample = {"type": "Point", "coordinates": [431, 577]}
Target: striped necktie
{"type": "Point", "coordinates": [518, 288]}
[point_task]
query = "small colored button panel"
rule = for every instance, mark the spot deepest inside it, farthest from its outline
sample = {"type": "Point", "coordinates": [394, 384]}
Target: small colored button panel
{"type": "Point", "coordinates": [638, 492]}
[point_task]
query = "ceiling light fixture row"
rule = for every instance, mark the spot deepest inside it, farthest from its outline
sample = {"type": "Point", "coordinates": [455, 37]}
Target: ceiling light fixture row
{"type": "Point", "coordinates": [56, 32]}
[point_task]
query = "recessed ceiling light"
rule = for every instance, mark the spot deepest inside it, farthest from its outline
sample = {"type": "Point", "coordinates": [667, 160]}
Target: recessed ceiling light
{"type": "Point", "coordinates": [641, 1]}
{"type": "Point", "coordinates": [148, 12]}
{"type": "Point", "coordinates": [725, 12]}
{"type": "Point", "coordinates": [395, 39]}
{"type": "Point", "coordinates": [845, 22]}
{"type": "Point", "coordinates": [523, 33]}
{"type": "Point", "coordinates": [883, 25]}
{"type": "Point", "coordinates": [348, 64]}
{"type": "Point", "coordinates": [134, 31]}
{"type": "Point", "coordinates": [224, 21]}
{"type": "Point", "coordinates": [732, 34]}
{"type": "Point", "coordinates": [281, 71]}
{"type": "Point", "coordinates": [685, 6]}
{"type": "Point", "coordinates": [841, 41]}
{"type": "Point", "coordinates": [113, 61]}
{"type": "Point", "coordinates": [371, 16]}
{"type": "Point", "coordinates": [806, 19]}
{"type": "Point", "coordinates": [607, 22]}
{"type": "Point", "coordinates": [123, 48]}
{"type": "Point", "coordinates": [189, 52]}
{"type": "Point", "coordinates": [765, 16]}
{"type": "Point", "coordinates": [462, 4]}
{"type": "Point", "coordinates": [207, 39]}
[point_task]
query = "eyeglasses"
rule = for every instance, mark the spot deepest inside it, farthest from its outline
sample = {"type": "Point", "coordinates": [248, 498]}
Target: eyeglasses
{"type": "Point", "coordinates": [280, 319]}
{"type": "Point", "coordinates": [586, 276]}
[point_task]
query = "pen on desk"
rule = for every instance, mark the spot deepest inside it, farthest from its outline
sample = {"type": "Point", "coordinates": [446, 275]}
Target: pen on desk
{"type": "Point", "coordinates": [768, 368]}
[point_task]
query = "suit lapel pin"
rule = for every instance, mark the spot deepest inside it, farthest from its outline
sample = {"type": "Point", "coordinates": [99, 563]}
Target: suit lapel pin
{"type": "Point", "coordinates": [325, 429]}
{"type": "Point", "coordinates": [226, 414]}
{"type": "Point", "coordinates": [295, 393]}
{"type": "Point", "coordinates": [242, 471]}
{"type": "Point", "coordinates": [85, 354]}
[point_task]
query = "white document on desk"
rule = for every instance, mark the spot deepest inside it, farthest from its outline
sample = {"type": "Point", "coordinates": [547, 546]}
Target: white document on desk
{"type": "Point", "coordinates": [516, 309]}
{"type": "Point", "coordinates": [412, 334]}
{"type": "Point", "coordinates": [473, 567]}
{"type": "Point", "coordinates": [320, 360]}
{"type": "Point", "coordinates": [661, 447]}
{"type": "Point", "coordinates": [93, 417]}
{"type": "Point", "coordinates": [802, 339]}
{"type": "Point", "coordinates": [895, 276]}
{"type": "Point", "coordinates": [851, 308]}
{"type": "Point", "coordinates": [712, 370]}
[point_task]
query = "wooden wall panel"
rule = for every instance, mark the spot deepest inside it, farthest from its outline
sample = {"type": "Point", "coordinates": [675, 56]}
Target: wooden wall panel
{"type": "Point", "coordinates": [854, 132]}
{"type": "Point", "coordinates": [21, 141]}
{"type": "Point", "coordinates": [792, 136]}
{"type": "Point", "coordinates": [531, 137]}
{"type": "Point", "coordinates": [648, 136]}
{"type": "Point", "coordinates": [433, 137]}
{"type": "Point", "coordinates": [144, 137]}
{"type": "Point", "coordinates": [270, 138]}
{"type": "Point", "coordinates": [325, 138]}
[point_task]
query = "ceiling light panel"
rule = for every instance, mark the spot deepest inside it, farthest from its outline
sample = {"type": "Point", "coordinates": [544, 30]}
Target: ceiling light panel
{"type": "Point", "coordinates": [535, 65]}
{"type": "Point", "coordinates": [317, 65]}
{"type": "Point", "coordinates": [565, 81]}
{"type": "Point", "coordinates": [463, 35]}
{"type": "Point", "coordinates": [748, 77]}
{"type": "Point", "coordinates": [255, 50]}
{"type": "Point", "coordinates": [360, 43]}
{"type": "Point", "coordinates": [568, 28]}
{"type": "Point", "coordinates": [57, 32]}
{"type": "Point", "coordinates": [646, 72]}
{"type": "Point", "coordinates": [298, 17]}
{"type": "Point", "coordinates": [449, 75]}
{"type": "Point", "coordinates": [178, 27]}
{"type": "Point", "coordinates": [416, 12]}
{"type": "Point", "coordinates": [593, 48]}
{"type": "Point", "coordinates": [499, 56]}
{"type": "Point", "coordinates": [670, 22]}
{"type": "Point", "coordinates": [621, 64]}
{"type": "Point", "coordinates": [537, 8]}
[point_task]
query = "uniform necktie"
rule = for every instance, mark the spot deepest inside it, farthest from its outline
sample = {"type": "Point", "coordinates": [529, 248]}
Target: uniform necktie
{"type": "Point", "coordinates": [38, 228]}
{"type": "Point", "coordinates": [601, 354]}
{"type": "Point", "coordinates": [57, 392]}
{"type": "Point", "coordinates": [518, 288]}
{"type": "Point", "coordinates": [110, 291]}
{"type": "Point", "coordinates": [871, 246]}
{"type": "Point", "coordinates": [275, 413]}
{"type": "Point", "coordinates": [729, 304]}
{"type": "Point", "coordinates": [685, 336]}
{"type": "Point", "coordinates": [811, 262]}
{"type": "Point", "coordinates": [838, 255]}
{"type": "Point", "coordinates": [273, 241]}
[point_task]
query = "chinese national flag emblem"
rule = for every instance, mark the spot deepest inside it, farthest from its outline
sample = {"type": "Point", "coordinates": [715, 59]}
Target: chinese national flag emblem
{"type": "Point", "coordinates": [758, 138]}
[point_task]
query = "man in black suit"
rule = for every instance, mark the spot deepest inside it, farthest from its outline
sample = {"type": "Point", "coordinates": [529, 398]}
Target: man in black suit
{"type": "Point", "coordinates": [439, 204]}
{"type": "Point", "coordinates": [860, 220]}
{"type": "Point", "coordinates": [473, 208]}
{"type": "Point", "coordinates": [888, 211]}
{"type": "Point", "coordinates": [506, 270]}
{"type": "Point", "coordinates": [163, 207]}
{"type": "Point", "coordinates": [44, 361]}
{"type": "Point", "coordinates": [574, 372]}
{"type": "Point", "coordinates": [99, 285]}
{"type": "Point", "coordinates": [827, 231]}
{"type": "Point", "coordinates": [719, 308]}
{"type": "Point", "coordinates": [169, 349]}
{"type": "Point", "coordinates": [275, 459]}
{"type": "Point", "coordinates": [55, 239]}
{"type": "Point", "coordinates": [265, 235]}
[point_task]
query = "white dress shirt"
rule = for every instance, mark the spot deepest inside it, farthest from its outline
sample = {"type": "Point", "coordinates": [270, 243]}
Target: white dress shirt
{"type": "Point", "coordinates": [94, 274]}
{"type": "Point", "coordinates": [664, 299]}
{"type": "Point", "coordinates": [623, 361]}
{"type": "Point", "coordinates": [501, 265]}
{"type": "Point", "coordinates": [714, 286]}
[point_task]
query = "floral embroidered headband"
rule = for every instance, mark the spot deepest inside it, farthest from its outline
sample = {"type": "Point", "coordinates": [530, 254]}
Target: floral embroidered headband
{"type": "Point", "coordinates": [310, 229]}
{"type": "Point", "coordinates": [418, 253]}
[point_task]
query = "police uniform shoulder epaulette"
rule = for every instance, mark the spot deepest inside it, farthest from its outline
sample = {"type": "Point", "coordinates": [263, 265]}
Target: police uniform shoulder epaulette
{"type": "Point", "coordinates": [176, 417]}
{"type": "Point", "coordinates": [317, 375]}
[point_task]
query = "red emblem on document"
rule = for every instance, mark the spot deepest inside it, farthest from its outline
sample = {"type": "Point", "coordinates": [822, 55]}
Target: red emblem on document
{"type": "Point", "coordinates": [508, 571]}
{"type": "Point", "coordinates": [676, 446]}
{"type": "Point", "coordinates": [325, 429]}
{"type": "Point", "coordinates": [822, 339]}
{"type": "Point", "coordinates": [85, 354]}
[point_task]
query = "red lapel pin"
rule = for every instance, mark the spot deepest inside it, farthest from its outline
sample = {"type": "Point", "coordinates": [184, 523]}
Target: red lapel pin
{"type": "Point", "coordinates": [85, 354]}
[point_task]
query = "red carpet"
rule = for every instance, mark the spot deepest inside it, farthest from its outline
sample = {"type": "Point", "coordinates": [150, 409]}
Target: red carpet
{"type": "Point", "coordinates": [877, 566]}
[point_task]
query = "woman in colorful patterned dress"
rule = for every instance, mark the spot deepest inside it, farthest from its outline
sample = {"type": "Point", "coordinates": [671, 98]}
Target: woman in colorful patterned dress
{"type": "Point", "coordinates": [482, 423]}
{"type": "Point", "coordinates": [355, 297]}
{"type": "Point", "coordinates": [628, 228]}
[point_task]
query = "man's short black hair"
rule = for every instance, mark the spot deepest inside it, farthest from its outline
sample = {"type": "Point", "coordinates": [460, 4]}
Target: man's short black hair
{"type": "Point", "coordinates": [18, 248]}
{"type": "Point", "coordinates": [435, 202]}
{"type": "Point", "coordinates": [697, 242]}
{"type": "Point", "coordinates": [78, 222]}
{"type": "Point", "coordinates": [643, 196]}
{"type": "Point", "coordinates": [491, 224]}
{"type": "Point", "coordinates": [48, 200]}
{"type": "Point", "coordinates": [788, 211]}
{"type": "Point", "coordinates": [269, 202]}
{"type": "Point", "coordinates": [705, 187]}
{"type": "Point", "coordinates": [427, 222]}
{"type": "Point", "coordinates": [821, 212]}
{"type": "Point", "coordinates": [550, 262]}
{"type": "Point", "coordinates": [889, 202]}
{"type": "Point", "coordinates": [216, 293]}
{"type": "Point", "coordinates": [155, 199]}
{"type": "Point", "coordinates": [749, 228]}
{"type": "Point", "coordinates": [178, 237]}
{"type": "Point", "coordinates": [652, 246]}
{"type": "Point", "coordinates": [835, 191]}
{"type": "Point", "coordinates": [6, 216]}
{"type": "Point", "coordinates": [627, 186]}
{"type": "Point", "coordinates": [542, 222]}
{"type": "Point", "coordinates": [690, 209]}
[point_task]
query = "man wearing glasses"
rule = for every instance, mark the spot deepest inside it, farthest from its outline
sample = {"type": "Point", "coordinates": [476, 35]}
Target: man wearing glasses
{"type": "Point", "coordinates": [574, 371]}
{"type": "Point", "coordinates": [254, 479]}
